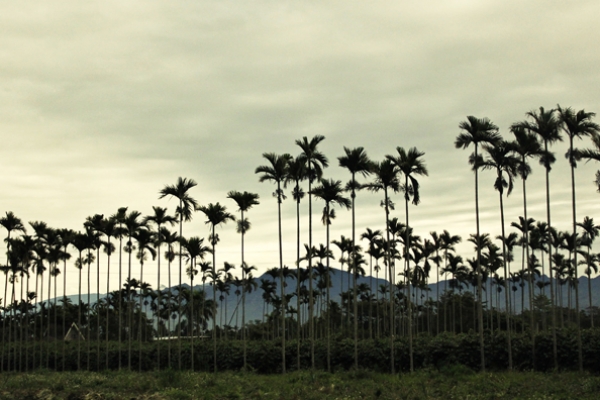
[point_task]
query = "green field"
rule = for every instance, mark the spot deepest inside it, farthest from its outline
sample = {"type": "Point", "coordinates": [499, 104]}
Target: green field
{"type": "Point", "coordinates": [450, 383]}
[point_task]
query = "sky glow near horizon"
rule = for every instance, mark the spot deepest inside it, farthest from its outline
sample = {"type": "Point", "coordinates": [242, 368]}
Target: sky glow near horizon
{"type": "Point", "coordinates": [104, 104]}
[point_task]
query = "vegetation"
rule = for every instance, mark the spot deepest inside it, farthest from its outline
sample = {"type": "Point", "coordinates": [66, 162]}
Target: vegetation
{"type": "Point", "coordinates": [397, 326]}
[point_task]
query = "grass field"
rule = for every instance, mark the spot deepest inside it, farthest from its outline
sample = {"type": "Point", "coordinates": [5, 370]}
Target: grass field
{"type": "Point", "coordinates": [451, 383]}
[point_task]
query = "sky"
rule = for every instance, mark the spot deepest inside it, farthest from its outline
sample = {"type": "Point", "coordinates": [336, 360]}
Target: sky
{"type": "Point", "coordinates": [105, 103]}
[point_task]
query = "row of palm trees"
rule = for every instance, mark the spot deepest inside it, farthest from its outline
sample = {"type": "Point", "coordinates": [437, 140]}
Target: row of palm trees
{"type": "Point", "coordinates": [394, 174]}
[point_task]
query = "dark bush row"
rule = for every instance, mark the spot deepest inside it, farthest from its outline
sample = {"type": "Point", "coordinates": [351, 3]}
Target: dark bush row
{"type": "Point", "coordinates": [265, 356]}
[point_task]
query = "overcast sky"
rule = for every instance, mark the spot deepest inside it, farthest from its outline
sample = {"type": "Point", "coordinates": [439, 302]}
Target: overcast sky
{"type": "Point", "coordinates": [105, 103]}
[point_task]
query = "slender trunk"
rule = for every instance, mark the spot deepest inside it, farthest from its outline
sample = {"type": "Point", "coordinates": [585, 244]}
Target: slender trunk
{"type": "Point", "coordinates": [389, 265]}
{"type": "Point", "coordinates": [506, 296]}
{"type": "Point", "coordinates": [408, 276]}
{"type": "Point", "coordinates": [214, 301]}
{"type": "Point", "coordinates": [283, 305]}
{"type": "Point", "coordinates": [64, 313]}
{"type": "Point", "coordinates": [179, 289]}
{"type": "Point", "coordinates": [354, 273]}
{"type": "Point", "coordinates": [98, 308]}
{"type": "Point", "coordinates": [159, 298]}
{"type": "Point", "coordinates": [311, 324]}
{"type": "Point", "coordinates": [479, 272]}
{"type": "Point", "coordinates": [298, 279]}
{"type": "Point", "coordinates": [120, 316]}
{"type": "Point", "coordinates": [552, 308]}
{"type": "Point", "coordinates": [328, 322]}
{"type": "Point", "coordinates": [243, 298]}
{"type": "Point", "coordinates": [107, 298]}
{"type": "Point", "coordinates": [577, 315]}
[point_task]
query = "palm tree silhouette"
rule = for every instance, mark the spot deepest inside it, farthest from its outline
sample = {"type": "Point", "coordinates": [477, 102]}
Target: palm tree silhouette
{"type": "Point", "coordinates": [245, 201]}
{"type": "Point", "coordinates": [501, 159]}
{"type": "Point", "coordinates": [195, 249]}
{"type": "Point", "coordinates": [330, 191]}
{"type": "Point", "coordinates": [545, 125]}
{"type": "Point", "coordinates": [145, 239]}
{"type": "Point", "coordinates": [355, 161]}
{"type": "Point", "coordinates": [160, 218]}
{"type": "Point", "coordinates": [477, 131]}
{"type": "Point", "coordinates": [576, 125]}
{"type": "Point", "coordinates": [386, 179]}
{"type": "Point", "coordinates": [590, 233]}
{"type": "Point", "coordinates": [296, 172]}
{"type": "Point", "coordinates": [314, 161]}
{"type": "Point", "coordinates": [372, 237]}
{"type": "Point", "coordinates": [216, 214]}
{"type": "Point", "coordinates": [119, 217]}
{"type": "Point", "coordinates": [11, 223]}
{"type": "Point", "coordinates": [187, 205]}
{"type": "Point", "coordinates": [276, 172]}
{"type": "Point", "coordinates": [409, 163]}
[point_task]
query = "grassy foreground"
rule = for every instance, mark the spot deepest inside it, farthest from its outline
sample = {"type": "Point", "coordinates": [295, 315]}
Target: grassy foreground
{"type": "Point", "coordinates": [451, 383]}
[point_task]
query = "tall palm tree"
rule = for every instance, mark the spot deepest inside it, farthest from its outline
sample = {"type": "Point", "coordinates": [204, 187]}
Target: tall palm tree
{"type": "Point", "coordinates": [276, 172]}
{"type": "Point", "coordinates": [132, 224]}
{"type": "Point", "coordinates": [476, 131]}
{"type": "Point", "coordinates": [296, 173]}
{"type": "Point", "coordinates": [501, 159]}
{"type": "Point", "coordinates": [119, 217]}
{"type": "Point", "coordinates": [590, 233]}
{"type": "Point", "coordinates": [216, 214]}
{"type": "Point", "coordinates": [314, 161]}
{"type": "Point", "coordinates": [11, 223]}
{"type": "Point", "coordinates": [245, 201]}
{"type": "Point", "coordinates": [385, 176]}
{"type": "Point", "coordinates": [576, 125]}
{"type": "Point", "coordinates": [355, 161]}
{"type": "Point", "coordinates": [160, 218]}
{"type": "Point", "coordinates": [331, 191]}
{"type": "Point", "coordinates": [195, 249]}
{"type": "Point", "coordinates": [187, 205]}
{"type": "Point", "coordinates": [96, 224]}
{"type": "Point", "coordinates": [145, 239]}
{"type": "Point", "coordinates": [372, 237]}
{"type": "Point", "coordinates": [409, 164]}
{"type": "Point", "coordinates": [66, 238]}
{"type": "Point", "coordinates": [169, 238]}
{"type": "Point", "coordinates": [545, 125]}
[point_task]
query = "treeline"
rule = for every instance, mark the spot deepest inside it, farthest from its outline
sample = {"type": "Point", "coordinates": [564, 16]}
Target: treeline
{"type": "Point", "coordinates": [402, 308]}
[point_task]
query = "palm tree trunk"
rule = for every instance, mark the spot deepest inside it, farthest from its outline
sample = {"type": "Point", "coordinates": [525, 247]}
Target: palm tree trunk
{"type": "Point", "coordinates": [552, 308]}
{"type": "Point", "coordinates": [354, 274]}
{"type": "Point", "coordinates": [311, 324]}
{"type": "Point", "coordinates": [214, 302]}
{"type": "Point", "coordinates": [389, 265]}
{"type": "Point", "coordinates": [578, 317]}
{"type": "Point", "coordinates": [506, 292]}
{"type": "Point", "coordinates": [283, 305]}
{"type": "Point", "coordinates": [408, 276]}
{"type": "Point", "coordinates": [479, 272]}
{"type": "Point", "coordinates": [328, 322]}
{"type": "Point", "coordinates": [120, 316]}
{"type": "Point", "coordinates": [298, 281]}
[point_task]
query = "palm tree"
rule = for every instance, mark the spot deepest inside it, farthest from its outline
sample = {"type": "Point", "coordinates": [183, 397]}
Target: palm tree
{"type": "Point", "coordinates": [11, 223]}
{"type": "Point", "coordinates": [386, 179]}
{"type": "Point", "coordinates": [96, 224]}
{"type": "Point", "coordinates": [169, 238]}
{"type": "Point", "coordinates": [409, 163]}
{"type": "Point", "coordinates": [144, 238]}
{"type": "Point", "coordinates": [355, 161]}
{"type": "Point", "coordinates": [276, 172]}
{"type": "Point", "coordinates": [590, 233]}
{"type": "Point", "coordinates": [545, 125]}
{"type": "Point", "coordinates": [216, 214]}
{"type": "Point", "coordinates": [119, 217]}
{"type": "Point", "coordinates": [372, 237]}
{"type": "Point", "coordinates": [477, 131]}
{"type": "Point", "coordinates": [500, 157]}
{"type": "Point", "coordinates": [245, 201]}
{"type": "Point", "coordinates": [187, 205]}
{"type": "Point", "coordinates": [296, 172]}
{"type": "Point", "coordinates": [576, 125]}
{"type": "Point", "coordinates": [195, 249]}
{"type": "Point", "coordinates": [66, 238]}
{"type": "Point", "coordinates": [314, 161]}
{"type": "Point", "coordinates": [330, 191]}
{"type": "Point", "coordinates": [159, 218]}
